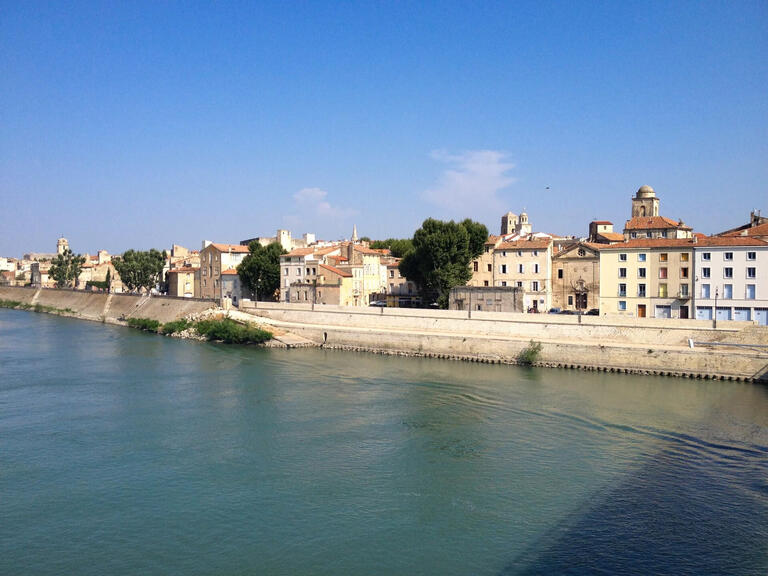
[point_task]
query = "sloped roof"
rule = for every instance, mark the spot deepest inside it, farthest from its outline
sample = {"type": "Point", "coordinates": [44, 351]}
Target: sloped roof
{"type": "Point", "coordinates": [235, 248]}
{"type": "Point", "coordinates": [651, 243]}
{"type": "Point", "coordinates": [538, 244]}
{"type": "Point", "coordinates": [654, 223]}
{"type": "Point", "coordinates": [729, 241]}
{"type": "Point", "coordinates": [612, 236]}
{"type": "Point", "coordinates": [759, 230]}
{"type": "Point", "coordinates": [229, 272]}
{"type": "Point", "coordinates": [339, 271]}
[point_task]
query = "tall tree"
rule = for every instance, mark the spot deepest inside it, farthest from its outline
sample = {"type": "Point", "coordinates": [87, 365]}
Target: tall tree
{"type": "Point", "coordinates": [478, 235]}
{"type": "Point", "coordinates": [398, 246]}
{"type": "Point", "coordinates": [260, 270]}
{"type": "Point", "coordinates": [440, 258]}
{"type": "Point", "coordinates": [139, 269]}
{"type": "Point", "coordinates": [66, 268]}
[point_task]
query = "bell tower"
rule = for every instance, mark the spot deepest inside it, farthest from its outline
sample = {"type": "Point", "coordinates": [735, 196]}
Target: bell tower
{"type": "Point", "coordinates": [645, 203]}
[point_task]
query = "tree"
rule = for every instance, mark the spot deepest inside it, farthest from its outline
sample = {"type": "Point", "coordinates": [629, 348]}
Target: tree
{"type": "Point", "coordinates": [108, 281]}
{"type": "Point", "coordinates": [398, 246]}
{"type": "Point", "coordinates": [66, 268]}
{"type": "Point", "coordinates": [139, 269]}
{"type": "Point", "coordinates": [441, 255]}
{"type": "Point", "coordinates": [260, 270]}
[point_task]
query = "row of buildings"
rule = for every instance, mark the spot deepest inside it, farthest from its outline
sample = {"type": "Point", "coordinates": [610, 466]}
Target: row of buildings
{"type": "Point", "coordinates": [654, 267]}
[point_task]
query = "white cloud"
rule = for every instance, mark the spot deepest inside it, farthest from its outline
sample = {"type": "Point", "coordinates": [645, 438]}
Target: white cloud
{"type": "Point", "coordinates": [474, 178]}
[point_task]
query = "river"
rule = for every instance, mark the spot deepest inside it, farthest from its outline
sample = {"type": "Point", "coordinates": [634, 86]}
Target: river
{"type": "Point", "coordinates": [123, 452]}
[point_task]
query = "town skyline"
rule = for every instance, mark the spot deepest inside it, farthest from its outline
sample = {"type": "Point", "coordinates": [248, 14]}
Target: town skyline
{"type": "Point", "coordinates": [143, 126]}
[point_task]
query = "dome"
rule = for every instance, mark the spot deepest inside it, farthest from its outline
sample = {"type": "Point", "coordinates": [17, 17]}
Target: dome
{"type": "Point", "coordinates": [645, 191]}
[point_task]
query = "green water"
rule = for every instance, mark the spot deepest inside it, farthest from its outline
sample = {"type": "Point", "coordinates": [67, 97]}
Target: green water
{"type": "Point", "coordinates": [127, 453]}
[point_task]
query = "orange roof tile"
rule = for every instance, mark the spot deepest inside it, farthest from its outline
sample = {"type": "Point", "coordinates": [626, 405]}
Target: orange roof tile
{"type": "Point", "coordinates": [229, 272]}
{"type": "Point", "coordinates": [612, 236]}
{"type": "Point", "coordinates": [729, 241]}
{"type": "Point", "coordinates": [538, 244]}
{"type": "Point", "coordinates": [300, 252]}
{"type": "Point", "coordinates": [236, 248]}
{"type": "Point", "coordinates": [338, 271]}
{"type": "Point", "coordinates": [601, 222]}
{"type": "Point", "coordinates": [651, 243]}
{"type": "Point", "coordinates": [653, 223]}
{"type": "Point", "coordinates": [759, 230]}
{"type": "Point", "coordinates": [183, 269]}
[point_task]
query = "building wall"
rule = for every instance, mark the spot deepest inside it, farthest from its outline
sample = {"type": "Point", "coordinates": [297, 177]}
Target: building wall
{"type": "Point", "coordinates": [570, 271]}
{"type": "Point", "coordinates": [533, 278]}
{"type": "Point", "coordinates": [488, 299]}
{"type": "Point", "coordinates": [748, 295]}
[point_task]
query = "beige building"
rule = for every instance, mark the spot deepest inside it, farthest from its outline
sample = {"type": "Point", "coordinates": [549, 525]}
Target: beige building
{"type": "Point", "coordinates": [647, 277]}
{"type": "Point", "coordinates": [215, 259]}
{"type": "Point", "coordinates": [576, 277]}
{"type": "Point", "coordinates": [331, 285]}
{"type": "Point", "coordinates": [184, 282]}
{"type": "Point", "coordinates": [526, 264]}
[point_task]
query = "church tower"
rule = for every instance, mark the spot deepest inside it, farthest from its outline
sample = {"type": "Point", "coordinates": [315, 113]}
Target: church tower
{"type": "Point", "coordinates": [62, 245]}
{"type": "Point", "coordinates": [508, 223]}
{"type": "Point", "coordinates": [354, 233]}
{"type": "Point", "coordinates": [645, 203]}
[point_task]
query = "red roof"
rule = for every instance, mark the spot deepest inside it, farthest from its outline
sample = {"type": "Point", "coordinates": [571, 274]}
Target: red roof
{"type": "Point", "coordinates": [651, 243]}
{"type": "Point", "coordinates": [729, 241]}
{"type": "Point", "coordinates": [340, 272]}
{"type": "Point", "coordinates": [229, 272]}
{"type": "Point", "coordinates": [654, 223]}
{"type": "Point", "coordinates": [759, 230]}
{"type": "Point", "coordinates": [612, 236]}
{"type": "Point", "coordinates": [236, 248]}
{"type": "Point", "coordinates": [601, 222]}
{"type": "Point", "coordinates": [538, 244]}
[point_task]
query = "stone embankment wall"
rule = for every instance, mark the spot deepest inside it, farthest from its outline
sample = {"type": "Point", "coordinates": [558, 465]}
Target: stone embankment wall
{"type": "Point", "coordinates": [657, 346]}
{"type": "Point", "coordinates": [103, 307]}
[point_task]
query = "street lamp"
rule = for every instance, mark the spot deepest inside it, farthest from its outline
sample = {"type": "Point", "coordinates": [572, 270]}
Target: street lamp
{"type": "Point", "coordinates": [714, 316]}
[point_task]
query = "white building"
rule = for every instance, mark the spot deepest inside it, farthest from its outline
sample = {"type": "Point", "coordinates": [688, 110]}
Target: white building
{"type": "Point", "coordinates": [301, 266]}
{"type": "Point", "coordinates": [731, 279]}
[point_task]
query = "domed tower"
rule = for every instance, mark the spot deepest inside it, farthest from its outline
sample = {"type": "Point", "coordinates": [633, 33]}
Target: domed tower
{"type": "Point", "coordinates": [62, 245]}
{"type": "Point", "coordinates": [645, 203]}
{"type": "Point", "coordinates": [508, 223]}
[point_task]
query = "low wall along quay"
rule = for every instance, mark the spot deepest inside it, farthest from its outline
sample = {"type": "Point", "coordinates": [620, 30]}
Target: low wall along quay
{"type": "Point", "coordinates": [691, 348]}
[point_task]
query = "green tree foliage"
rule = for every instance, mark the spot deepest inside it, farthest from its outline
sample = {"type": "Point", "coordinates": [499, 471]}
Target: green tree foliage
{"type": "Point", "coordinates": [66, 268]}
{"type": "Point", "coordinates": [441, 255]}
{"type": "Point", "coordinates": [139, 269]}
{"type": "Point", "coordinates": [260, 270]}
{"type": "Point", "coordinates": [398, 246]}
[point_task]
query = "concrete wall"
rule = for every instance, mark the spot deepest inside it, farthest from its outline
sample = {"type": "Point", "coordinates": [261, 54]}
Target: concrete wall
{"type": "Point", "coordinates": [652, 345]}
{"type": "Point", "coordinates": [99, 306]}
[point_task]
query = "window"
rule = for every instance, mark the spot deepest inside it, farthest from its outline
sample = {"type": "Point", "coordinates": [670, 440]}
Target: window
{"type": "Point", "coordinates": [728, 256]}
{"type": "Point", "coordinates": [519, 253]}
{"type": "Point", "coordinates": [307, 271]}
{"type": "Point", "coordinates": [622, 257]}
{"type": "Point", "coordinates": [298, 271]}
{"type": "Point", "coordinates": [622, 272]}
{"type": "Point", "coordinates": [750, 291]}
{"type": "Point", "coordinates": [286, 271]}
{"type": "Point", "coordinates": [392, 272]}
{"type": "Point", "coordinates": [520, 268]}
{"type": "Point", "coordinates": [663, 257]}
{"type": "Point", "coordinates": [728, 291]}
{"type": "Point", "coordinates": [490, 267]}
{"type": "Point", "coordinates": [535, 268]}
{"type": "Point", "coordinates": [662, 273]}
{"type": "Point", "coordinates": [485, 282]}
{"type": "Point", "coordinates": [535, 252]}
{"type": "Point", "coordinates": [535, 286]}
{"type": "Point", "coordinates": [622, 305]}
{"type": "Point", "coordinates": [570, 300]}
{"type": "Point", "coordinates": [684, 290]}
{"type": "Point", "coordinates": [663, 233]}
{"type": "Point", "coordinates": [751, 255]}
{"type": "Point", "coordinates": [641, 290]}
{"type": "Point", "coordinates": [662, 290]}
{"type": "Point", "coordinates": [560, 273]}
{"type": "Point", "coordinates": [504, 253]}
{"type": "Point", "coordinates": [314, 270]}
{"type": "Point", "coordinates": [634, 235]}
{"type": "Point", "coordinates": [622, 289]}
{"type": "Point", "coordinates": [582, 252]}
{"type": "Point", "coordinates": [641, 257]}
{"type": "Point", "coordinates": [684, 272]}
{"type": "Point", "coordinates": [503, 269]}
{"type": "Point", "coordinates": [519, 284]}
{"type": "Point", "coordinates": [705, 290]}
{"type": "Point", "coordinates": [706, 256]}
{"type": "Point", "coordinates": [476, 266]}
{"type": "Point", "coordinates": [728, 272]}
{"type": "Point", "coordinates": [684, 257]}
{"type": "Point", "coordinates": [705, 272]}
{"type": "Point", "coordinates": [751, 272]}
{"type": "Point", "coordinates": [503, 283]}
{"type": "Point", "coordinates": [641, 272]}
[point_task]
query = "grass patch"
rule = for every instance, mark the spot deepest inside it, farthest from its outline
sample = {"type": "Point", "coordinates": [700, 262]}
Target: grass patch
{"type": "Point", "coordinates": [13, 304]}
{"type": "Point", "coordinates": [176, 326]}
{"type": "Point", "coordinates": [231, 332]}
{"type": "Point", "coordinates": [146, 324]}
{"type": "Point", "coordinates": [34, 307]}
{"type": "Point", "coordinates": [530, 354]}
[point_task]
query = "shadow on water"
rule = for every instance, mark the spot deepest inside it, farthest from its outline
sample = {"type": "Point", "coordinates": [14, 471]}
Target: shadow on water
{"type": "Point", "coordinates": [713, 522]}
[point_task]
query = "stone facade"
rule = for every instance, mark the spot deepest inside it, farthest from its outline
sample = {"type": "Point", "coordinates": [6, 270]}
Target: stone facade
{"type": "Point", "coordinates": [576, 277]}
{"type": "Point", "coordinates": [488, 299]}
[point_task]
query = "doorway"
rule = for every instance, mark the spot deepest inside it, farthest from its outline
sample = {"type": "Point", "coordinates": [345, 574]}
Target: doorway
{"type": "Point", "coordinates": [641, 310]}
{"type": "Point", "coordinates": [683, 312]}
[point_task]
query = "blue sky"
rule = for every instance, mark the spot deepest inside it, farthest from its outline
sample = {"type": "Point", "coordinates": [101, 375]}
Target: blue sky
{"type": "Point", "coordinates": [137, 125]}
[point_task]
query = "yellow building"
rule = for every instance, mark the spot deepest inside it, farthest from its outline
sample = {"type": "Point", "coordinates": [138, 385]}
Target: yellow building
{"type": "Point", "coordinates": [647, 277]}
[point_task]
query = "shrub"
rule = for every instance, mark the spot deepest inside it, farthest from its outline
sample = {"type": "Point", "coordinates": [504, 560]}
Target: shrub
{"type": "Point", "coordinates": [231, 332]}
{"type": "Point", "coordinates": [146, 324]}
{"type": "Point", "coordinates": [176, 326]}
{"type": "Point", "coordinates": [530, 354]}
